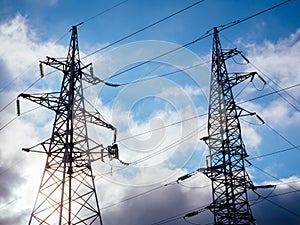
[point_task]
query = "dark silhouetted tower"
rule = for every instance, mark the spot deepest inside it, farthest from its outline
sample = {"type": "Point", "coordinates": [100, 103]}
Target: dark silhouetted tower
{"type": "Point", "coordinates": [227, 154]}
{"type": "Point", "coordinates": [67, 192]}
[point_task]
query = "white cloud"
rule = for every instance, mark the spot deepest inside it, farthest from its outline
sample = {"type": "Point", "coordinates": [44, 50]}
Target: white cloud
{"type": "Point", "coordinates": [21, 48]}
{"type": "Point", "coordinates": [280, 60]}
{"type": "Point", "coordinates": [279, 64]}
{"type": "Point", "coordinates": [176, 103]}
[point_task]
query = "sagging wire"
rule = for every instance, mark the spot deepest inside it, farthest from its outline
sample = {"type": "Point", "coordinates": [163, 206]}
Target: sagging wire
{"type": "Point", "coordinates": [178, 181]}
{"type": "Point", "coordinates": [144, 28]}
{"type": "Point", "coordinates": [261, 198]}
{"type": "Point", "coordinates": [14, 118]}
{"type": "Point", "coordinates": [276, 152]}
{"type": "Point", "coordinates": [281, 89]}
{"type": "Point", "coordinates": [178, 216]}
{"type": "Point", "coordinates": [160, 151]}
{"type": "Point", "coordinates": [194, 213]}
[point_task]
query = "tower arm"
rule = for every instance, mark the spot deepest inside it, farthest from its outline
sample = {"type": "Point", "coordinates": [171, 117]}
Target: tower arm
{"type": "Point", "coordinates": [230, 53]}
{"type": "Point", "coordinates": [48, 100]}
{"type": "Point", "coordinates": [236, 78]}
{"type": "Point", "coordinates": [241, 112]}
{"type": "Point", "coordinates": [42, 147]}
{"type": "Point", "coordinates": [94, 80]}
{"type": "Point", "coordinates": [59, 65]}
{"type": "Point", "coordinates": [95, 118]}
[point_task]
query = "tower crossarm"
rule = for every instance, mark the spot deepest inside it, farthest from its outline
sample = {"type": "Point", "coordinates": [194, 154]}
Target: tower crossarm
{"type": "Point", "coordinates": [48, 100]}
{"type": "Point", "coordinates": [61, 65]}
{"type": "Point", "coordinates": [236, 78]}
{"type": "Point", "coordinates": [95, 118]}
{"type": "Point", "coordinates": [230, 53]}
{"type": "Point", "coordinates": [94, 80]}
{"type": "Point", "coordinates": [42, 147]}
{"type": "Point", "coordinates": [241, 112]}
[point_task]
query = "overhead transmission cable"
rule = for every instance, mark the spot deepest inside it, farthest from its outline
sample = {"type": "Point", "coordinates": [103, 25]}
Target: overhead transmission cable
{"type": "Point", "coordinates": [271, 93]}
{"type": "Point", "coordinates": [270, 175]}
{"type": "Point", "coordinates": [274, 153]}
{"type": "Point", "coordinates": [280, 88]}
{"type": "Point", "coordinates": [162, 127]}
{"type": "Point", "coordinates": [282, 207]}
{"type": "Point", "coordinates": [15, 78]}
{"type": "Point", "coordinates": [179, 216]}
{"type": "Point", "coordinates": [160, 151]}
{"type": "Point", "coordinates": [102, 12]}
{"type": "Point", "coordinates": [165, 74]}
{"type": "Point", "coordinates": [144, 28]}
{"type": "Point", "coordinates": [286, 100]}
{"type": "Point", "coordinates": [283, 137]}
{"type": "Point", "coordinates": [130, 35]}
{"type": "Point", "coordinates": [149, 191]}
{"type": "Point", "coordinates": [231, 24]}
{"type": "Point", "coordinates": [205, 35]}
{"type": "Point", "coordinates": [194, 211]}
{"type": "Point", "coordinates": [26, 89]}
{"type": "Point", "coordinates": [81, 23]}
{"type": "Point", "coordinates": [168, 147]}
{"type": "Point", "coordinates": [14, 118]}
{"type": "Point", "coordinates": [201, 209]}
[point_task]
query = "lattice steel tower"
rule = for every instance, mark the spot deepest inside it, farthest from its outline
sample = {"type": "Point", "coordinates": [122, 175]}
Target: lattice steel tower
{"type": "Point", "coordinates": [227, 153]}
{"type": "Point", "coordinates": [67, 193]}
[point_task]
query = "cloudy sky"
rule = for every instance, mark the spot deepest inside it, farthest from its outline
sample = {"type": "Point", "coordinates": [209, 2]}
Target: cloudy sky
{"type": "Point", "coordinates": [159, 111]}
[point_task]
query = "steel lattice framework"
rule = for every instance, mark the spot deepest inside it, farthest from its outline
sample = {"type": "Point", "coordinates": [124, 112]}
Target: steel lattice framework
{"type": "Point", "coordinates": [227, 154]}
{"type": "Point", "coordinates": [67, 193]}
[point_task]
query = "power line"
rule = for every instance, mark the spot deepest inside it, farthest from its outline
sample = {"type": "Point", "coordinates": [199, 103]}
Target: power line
{"type": "Point", "coordinates": [274, 177]}
{"type": "Point", "coordinates": [162, 127]}
{"type": "Point", "coordinates": [160, 151]}
{"type": "Point", "coordinates": [282, 207]}
{"type": "Point", "coordinates": [178, 142]}
{"type": "Point", "coordinates": [133, 197]}
{"type": "Point", "coordinates": [23, 91]}
{"type": "Point", "coordinates": [9, 122]}
{"type": "Point", "coordinates": [276, 152]}
{"type": "Point", "coordinates": [102, 12]}
{"type": "Point", "coordinates": [276, 204]}
{"type": "Point", "coordinates": [14, 118]}
{"type": "Point", "coordinates": [284, 138]}
{"type": "Point", "coordinates": [165, 74]}
{"type": "Point", "coordinates": [144, 28]}
{"type": "Point", "coordinates": [271, 93]}
{"type": "Point", "coordinates": [205, 35]}
{"type": "Point", "coordinates": [176, 49]}
{"type": "Point", "coordinates": [231, 24]}
{"type": "Point", "coordinates": [146, 192]}
{"type": "Point", "coordinates": [279, 87]}
{"type": "Point", "coordinates": [15, 78]}
{"type": "Point", "coordinates": [178, 216]}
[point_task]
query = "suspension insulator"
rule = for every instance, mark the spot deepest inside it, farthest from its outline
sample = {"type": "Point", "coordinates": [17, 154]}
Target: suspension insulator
{"type": "Point", "coordinates": [18, 107]}
{"type": "Point", "coordinates": [41, 70]}
{"type": "Point", "coordinates": [92, 71]}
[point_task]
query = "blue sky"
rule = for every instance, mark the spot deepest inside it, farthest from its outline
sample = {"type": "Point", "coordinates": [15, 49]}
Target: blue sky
{"type": "Point", "coordinates": [30, 30]}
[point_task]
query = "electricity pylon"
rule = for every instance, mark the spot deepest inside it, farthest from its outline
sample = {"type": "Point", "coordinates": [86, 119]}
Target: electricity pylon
{"type": "Point", "coordinates": [67, 192]}
{"type": "Point", "coordinates": [227, 153]}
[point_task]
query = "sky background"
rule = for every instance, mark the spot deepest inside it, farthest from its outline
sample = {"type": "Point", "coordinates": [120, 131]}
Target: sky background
{"type": "Point", "coordinates": [160, 120]}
